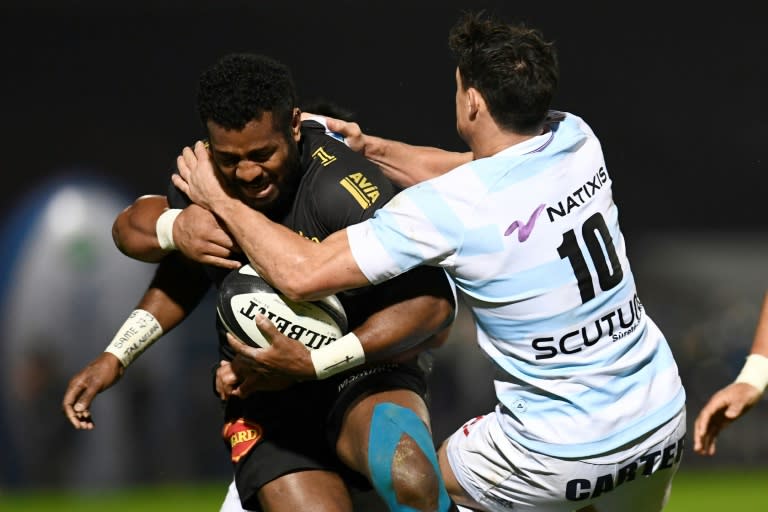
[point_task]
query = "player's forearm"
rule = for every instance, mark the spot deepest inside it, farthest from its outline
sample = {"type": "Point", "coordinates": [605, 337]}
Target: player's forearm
{"type": "Point", "coordinates": [760, 342]}
{"type": "Point", "coordinates": [406, 164]}
{"type": "Point", "coordinates": [299, 268]}
{"type": "Point", "coordinates": [134, 229]}
{"type": "Point", "coordinates": [176, 289]}
{"type": "Point", "coordinates": [400, 331]}
{"type": "Point", "coordinates": [430, 343]}
{"type": "Point", "coordinates": [396, 333]}
{"type": "Point", "coordinates": [755, 369]}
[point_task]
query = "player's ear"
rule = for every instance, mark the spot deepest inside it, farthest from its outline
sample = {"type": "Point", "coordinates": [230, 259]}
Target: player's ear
{"type": "Point", "coordinates": [296, 124]}
{"type": "Point", "coordinates": [475, 102]}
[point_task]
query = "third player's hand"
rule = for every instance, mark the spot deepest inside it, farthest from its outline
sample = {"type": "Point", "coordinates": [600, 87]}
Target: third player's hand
{"type": "Point", "coordinates": [721, 410]}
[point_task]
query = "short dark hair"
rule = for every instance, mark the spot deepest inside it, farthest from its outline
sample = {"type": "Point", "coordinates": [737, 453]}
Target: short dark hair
{"type": "Point", "coordinates": [325, 107]}
{"type": "Point", "coordinates": [512, 66]}
{"type": "Point", "coordinates": [240, 87]}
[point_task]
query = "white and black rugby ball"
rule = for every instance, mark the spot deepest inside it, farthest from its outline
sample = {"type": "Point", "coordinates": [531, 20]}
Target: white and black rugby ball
{"type": "Point", "coordinates": [243, 293]}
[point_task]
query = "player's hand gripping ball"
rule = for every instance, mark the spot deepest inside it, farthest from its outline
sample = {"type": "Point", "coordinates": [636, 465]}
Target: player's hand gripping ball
{"type": "Point", "coordinates": [243, 293]}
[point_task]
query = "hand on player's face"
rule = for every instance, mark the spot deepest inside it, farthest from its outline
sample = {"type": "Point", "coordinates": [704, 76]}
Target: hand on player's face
{"type": "Point", "coordinates": [197, 177]}
{"type": "Point", "coordinates": [98, 375]}
{"type": "Point", "coordinates": [200, 237]}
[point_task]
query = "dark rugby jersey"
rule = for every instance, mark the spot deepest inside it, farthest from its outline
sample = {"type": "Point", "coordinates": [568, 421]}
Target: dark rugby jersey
{"type": "Point", "coordinates": [338, 187]}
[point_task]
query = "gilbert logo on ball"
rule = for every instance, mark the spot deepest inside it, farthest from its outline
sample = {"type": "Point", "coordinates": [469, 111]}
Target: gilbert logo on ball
{"type": "Point", "coordinates": [243, 294]}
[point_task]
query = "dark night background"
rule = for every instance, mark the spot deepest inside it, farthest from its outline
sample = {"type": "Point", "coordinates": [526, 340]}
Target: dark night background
{"type": "Point", "coordinates": [676, 93]}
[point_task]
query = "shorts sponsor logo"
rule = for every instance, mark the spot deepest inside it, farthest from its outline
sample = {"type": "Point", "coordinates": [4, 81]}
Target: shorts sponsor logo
{"type": "Point", "coordinates": [242, 435]}
{"type": "Point", "coordinates": [468, 425]}
{"type": "Point", "coordinates": [386, 367]}
{"type": "Point", "coordinates": [500, 501]}
{"type": "Point", "coordinates": [580, 489]}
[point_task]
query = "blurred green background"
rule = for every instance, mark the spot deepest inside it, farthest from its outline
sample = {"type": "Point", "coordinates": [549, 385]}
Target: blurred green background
{"type": "Point", "coordinates": [693, 491]}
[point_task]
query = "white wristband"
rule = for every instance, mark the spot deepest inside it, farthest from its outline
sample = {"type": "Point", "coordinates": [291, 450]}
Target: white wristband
{"type": "Point", "coordinates": [755, 372]}
{"type": "Point", "coordinates": [164, 228]}
{"type": "Point", "coordinates": [343, 354]}
{"type": "Point", "coordinates": [139, 331]}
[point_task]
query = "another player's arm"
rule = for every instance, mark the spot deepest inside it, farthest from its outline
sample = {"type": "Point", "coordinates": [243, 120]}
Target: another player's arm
{"type": "Point", "coordinates": [148, 230]}
{"type": "Point", "coordinates": [734, 400]}
{"type": "Point", "coordinates": [420, 307]}
{"type": "Point", "coordinates": [175, 290]}
{"type": "Point", "coordinates": [404, 164]}
{"type": "Point", "coordinates": [134, 229]}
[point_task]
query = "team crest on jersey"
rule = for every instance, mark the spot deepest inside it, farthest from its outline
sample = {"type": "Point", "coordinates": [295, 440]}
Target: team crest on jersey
{"type": "Point", "coordinates": [324, 157]}
{"type": "Point", "coordinates": [364, 192]}
{"type": "Point", "coordinates": [242, 435]}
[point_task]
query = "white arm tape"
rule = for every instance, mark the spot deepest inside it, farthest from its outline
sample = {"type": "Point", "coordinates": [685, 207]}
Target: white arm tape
{"type": "Point", "coordinates": [164, 228]}
{"type": "Point", "coordinates": [139, 331]}
{"type": "Point", "coordinates": [344, 353]}
{"type": "Point", "coordinates": [755, 372]}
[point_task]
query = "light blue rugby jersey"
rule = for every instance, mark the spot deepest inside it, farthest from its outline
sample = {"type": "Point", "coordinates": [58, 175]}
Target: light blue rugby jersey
{"type": "Point", "coordinates": [531, 238]}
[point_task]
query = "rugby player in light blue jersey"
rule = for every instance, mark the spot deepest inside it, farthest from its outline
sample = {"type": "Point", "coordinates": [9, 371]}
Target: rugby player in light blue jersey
{"type": "Point", "coordinates": [591, 409]}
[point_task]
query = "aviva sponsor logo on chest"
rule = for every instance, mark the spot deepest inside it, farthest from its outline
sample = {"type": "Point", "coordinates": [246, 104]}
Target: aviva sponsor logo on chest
{"type": "Point", "coordinates": [364, 192]}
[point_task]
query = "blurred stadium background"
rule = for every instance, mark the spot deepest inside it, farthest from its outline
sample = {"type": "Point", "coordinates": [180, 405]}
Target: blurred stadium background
{"type": "Point", "coordinates": [97, 101]}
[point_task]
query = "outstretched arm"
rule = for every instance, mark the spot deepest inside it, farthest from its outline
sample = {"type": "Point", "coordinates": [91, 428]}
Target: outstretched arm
{"type": "Point", "coordinates": [733, 401]}
{"type": "Point", "coordinates": [175, 290]}
{"type": "Point", "coordinates": [404, 164]}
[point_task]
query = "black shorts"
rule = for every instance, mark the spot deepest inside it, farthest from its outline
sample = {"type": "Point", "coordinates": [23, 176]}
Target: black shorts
{"type": "Point", "coordinates": [273, 433]}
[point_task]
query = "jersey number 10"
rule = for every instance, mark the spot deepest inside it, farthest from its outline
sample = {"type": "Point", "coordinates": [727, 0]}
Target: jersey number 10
{"type": "Point", "coordinates": [599, 243]}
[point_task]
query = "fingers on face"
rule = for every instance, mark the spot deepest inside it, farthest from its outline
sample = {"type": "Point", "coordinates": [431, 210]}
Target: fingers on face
{"type": "Point", "coordinates": [189, 157]}
{"type": "Point", "coordinates": [181, 164]}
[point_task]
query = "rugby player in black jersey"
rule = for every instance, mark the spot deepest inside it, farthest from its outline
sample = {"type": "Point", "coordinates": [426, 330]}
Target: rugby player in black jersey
{"type": "Point", "coordinates": [297, 442]}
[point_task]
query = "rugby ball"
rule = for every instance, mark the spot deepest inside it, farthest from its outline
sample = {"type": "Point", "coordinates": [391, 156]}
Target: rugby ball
{"type": "Point", "coordinates": [243, 293]}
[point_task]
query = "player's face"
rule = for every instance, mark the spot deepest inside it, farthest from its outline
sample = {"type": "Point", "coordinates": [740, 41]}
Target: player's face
{"type": "Point", "coordinates": [259, 162]}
